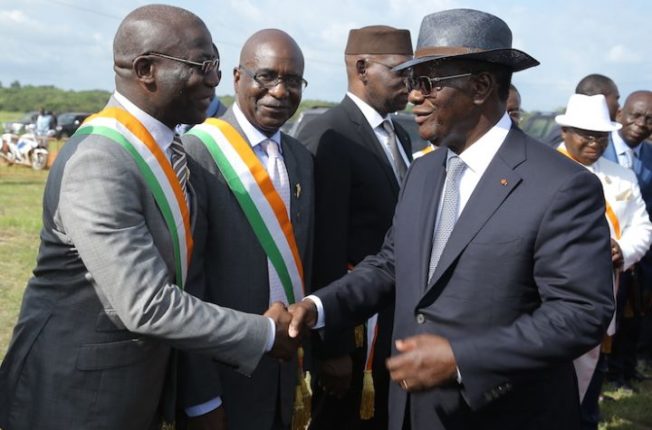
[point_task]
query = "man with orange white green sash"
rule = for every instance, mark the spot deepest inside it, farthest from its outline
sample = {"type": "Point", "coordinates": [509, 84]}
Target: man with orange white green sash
{"type": "Point", "coordinates": [92, 347]}
{"type": "Point", "coordinates": [259, 209]}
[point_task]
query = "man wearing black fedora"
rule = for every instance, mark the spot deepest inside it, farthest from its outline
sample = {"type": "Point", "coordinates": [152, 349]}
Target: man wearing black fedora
{"type": "Point", "coordinates": [498, 257]}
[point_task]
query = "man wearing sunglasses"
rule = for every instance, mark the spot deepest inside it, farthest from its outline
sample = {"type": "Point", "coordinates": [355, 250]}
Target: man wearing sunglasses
{"type": "Point", "coordinates": [257, 179]}
{"type": "Point", "coordinates": [498, 257]}
{"type": "Point", "coordinates": [92, 346]}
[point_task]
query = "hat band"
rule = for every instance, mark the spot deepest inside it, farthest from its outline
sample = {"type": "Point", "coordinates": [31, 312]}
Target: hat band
{"type": "Point", "coordinates": [445, 51]}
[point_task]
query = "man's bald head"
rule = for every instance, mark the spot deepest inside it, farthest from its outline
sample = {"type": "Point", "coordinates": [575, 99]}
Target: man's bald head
{"type": "Point", "coordinates": [156, 51]}
{"type": "Point", "coordinates": [153, 28]}
{"type": "Point", "coordinates": [272, 42]}
{"type": "Point", "coordinates": [269, 80]}
{"type": "Point", "coordinates": [636, 118]}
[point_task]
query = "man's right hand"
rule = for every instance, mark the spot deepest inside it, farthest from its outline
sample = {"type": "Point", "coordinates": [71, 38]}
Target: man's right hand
{"type": "Point", "coordinates": [285, 347]}
{"type": "Point", "coordinates": [304, 316]}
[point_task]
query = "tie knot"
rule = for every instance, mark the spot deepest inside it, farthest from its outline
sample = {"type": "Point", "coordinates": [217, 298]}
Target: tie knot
{"type": "Point", "coordinates": [387, 125]}
{"type": "Point", "coordinates": [271, 148]}
{"type": "Point", "coordinates": [455, 167]}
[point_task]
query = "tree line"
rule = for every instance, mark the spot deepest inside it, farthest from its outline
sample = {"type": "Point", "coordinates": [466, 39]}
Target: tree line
{"type": "Point", "coordinates": [26, 98]}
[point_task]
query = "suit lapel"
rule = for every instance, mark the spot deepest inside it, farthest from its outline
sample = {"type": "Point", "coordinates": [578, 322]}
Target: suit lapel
{"type": "Point", "coordinates": [369, 139]}
{"type": "Point", "coordinates": [495, 185]}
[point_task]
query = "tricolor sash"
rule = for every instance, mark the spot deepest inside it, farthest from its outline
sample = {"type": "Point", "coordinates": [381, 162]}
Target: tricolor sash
{"type": "Point", "coordinates": [262, 205]}
{"type": "Point", "coordinates": [121, 127]}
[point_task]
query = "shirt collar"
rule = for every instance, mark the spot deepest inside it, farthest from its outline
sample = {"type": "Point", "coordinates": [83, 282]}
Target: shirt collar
{"type": "Point", "coordinates": [161, 133]}
{"type": "Point", "coordinates": [620, 146]}
{"type": "Point", "coordinates": [253, 135]}
{"type": "Point", "coordinates": [371, 115]}
{"type": "Point", "coordinates": [478, 156]}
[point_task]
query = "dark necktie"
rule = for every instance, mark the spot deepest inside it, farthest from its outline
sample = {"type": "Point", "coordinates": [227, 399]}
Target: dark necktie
{"type": "Point", "coordinates": [392, 143]}
{"type": "Point", "coordinates": [449, 208]}
{"type": "Point", "coordinates": [180, 164]}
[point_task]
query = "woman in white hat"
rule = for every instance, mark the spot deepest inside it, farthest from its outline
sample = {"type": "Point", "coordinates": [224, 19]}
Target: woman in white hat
{"type": "Point", "coordinates": [585, 127]}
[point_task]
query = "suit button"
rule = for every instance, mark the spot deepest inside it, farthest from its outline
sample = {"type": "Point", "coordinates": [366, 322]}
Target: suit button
{"type": "Point", "coordinates": [420, 319]}
{"type": "Point", "coordinates": [88, 277]}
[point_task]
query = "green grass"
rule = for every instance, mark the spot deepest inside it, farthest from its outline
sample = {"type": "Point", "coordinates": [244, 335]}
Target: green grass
{"type": "Point", "coordinates": [21, 191]}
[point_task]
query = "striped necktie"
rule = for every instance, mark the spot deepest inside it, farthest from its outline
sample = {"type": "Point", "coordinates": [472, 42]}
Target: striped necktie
{"type": "Point", "coordinates": [278, 174]}
{"type": "Point", "coordinates": [180, 163]}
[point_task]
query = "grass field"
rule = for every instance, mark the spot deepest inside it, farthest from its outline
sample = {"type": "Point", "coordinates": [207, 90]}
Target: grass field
{"type": "Point", "coordinates": [21, 190]}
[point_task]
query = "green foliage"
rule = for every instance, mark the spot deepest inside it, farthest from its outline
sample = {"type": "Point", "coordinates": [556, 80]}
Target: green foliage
{"type": "Point", "coordinates": [27, 98]}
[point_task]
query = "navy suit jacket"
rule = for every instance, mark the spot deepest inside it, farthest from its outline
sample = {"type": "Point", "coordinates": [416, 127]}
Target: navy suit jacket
{"type": "Point", "coordinates": [521, 289]}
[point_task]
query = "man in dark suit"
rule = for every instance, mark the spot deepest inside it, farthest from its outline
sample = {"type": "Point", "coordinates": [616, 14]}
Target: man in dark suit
{"type": "Point", "coordinates": [92, 345]}
{"type": "Point", "coordinates": [268, 86]}
{"type": "Point", "coordinates": [628, 148]}
{"type": "Point", "coordinates": [498, 257]}
{"type": "Point", "coordinates": [359, 166]}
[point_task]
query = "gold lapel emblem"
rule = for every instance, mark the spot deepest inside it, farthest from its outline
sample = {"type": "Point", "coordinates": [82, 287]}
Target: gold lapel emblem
{"type": "Point", "coordinates": [503, 182]}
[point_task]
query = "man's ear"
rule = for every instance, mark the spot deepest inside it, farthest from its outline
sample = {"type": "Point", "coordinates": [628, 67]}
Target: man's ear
{"type": "Point", "coordinates": [619, 115]}
{"type": "Point", "coordinates": [361, 69]}
{"type": "Point", "coordinates": [144, 69]}
{"type": "Point", "coordinates": [482, 85]}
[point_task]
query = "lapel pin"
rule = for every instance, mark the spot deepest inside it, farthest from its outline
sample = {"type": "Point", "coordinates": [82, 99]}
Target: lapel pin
{"type": "Point", "coordinates": [297, 190]}
{"type": "Point", "coordinates": [503, 182]}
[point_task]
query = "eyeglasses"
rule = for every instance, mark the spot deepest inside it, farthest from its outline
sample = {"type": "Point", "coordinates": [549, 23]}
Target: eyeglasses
{"type": "Point", "coordinates": [425, 84]}
{"type": "Point", "coordinates": [599, 137]}
{"type": "Point", "coordinates": [205, 67]}
{"type": "Point", "coordinates": [269, 79]}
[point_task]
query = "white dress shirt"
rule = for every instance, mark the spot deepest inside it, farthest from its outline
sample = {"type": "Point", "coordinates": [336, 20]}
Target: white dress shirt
{"type": "Point", "coordinates": [624, 152]}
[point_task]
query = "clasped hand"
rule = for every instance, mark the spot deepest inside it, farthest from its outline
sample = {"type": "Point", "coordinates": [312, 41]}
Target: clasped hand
{"type": "Point", "coordinates": [285, 346]}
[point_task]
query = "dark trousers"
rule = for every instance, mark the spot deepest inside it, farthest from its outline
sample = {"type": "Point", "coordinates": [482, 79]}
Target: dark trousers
{"type": "Point", "coordinates": [590, 408]}
{"type": "Point", "coordinates": [622, 359]}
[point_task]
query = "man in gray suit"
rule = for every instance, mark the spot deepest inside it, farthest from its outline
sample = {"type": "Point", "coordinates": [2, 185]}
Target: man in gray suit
{"type": "Point", "coordinates": [92, 346]}
{"type": "Point", "coordinates": [268, 86]}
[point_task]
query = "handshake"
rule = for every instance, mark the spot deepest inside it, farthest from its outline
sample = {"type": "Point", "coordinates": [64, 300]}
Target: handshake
{"type": "Point", "coordinates": [290, 323]}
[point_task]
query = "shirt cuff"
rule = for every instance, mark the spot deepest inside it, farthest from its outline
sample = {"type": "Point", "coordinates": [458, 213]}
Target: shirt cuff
{"type": "Point", "coordinates": [272, 335]}
{"type": "Point", "coordinates": [321, 318]}
{"type": "Point", "coordinates": [204, 408]}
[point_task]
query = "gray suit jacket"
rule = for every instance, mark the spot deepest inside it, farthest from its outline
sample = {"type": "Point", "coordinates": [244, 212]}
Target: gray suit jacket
{"type": "Point", "coordinates": [92, 343]}
{"type": "Point", "coordinates": [236, 276]}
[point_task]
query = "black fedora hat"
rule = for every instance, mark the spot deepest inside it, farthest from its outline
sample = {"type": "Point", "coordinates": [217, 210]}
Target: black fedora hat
{"type": "Point", "coordinates": [467, 34]}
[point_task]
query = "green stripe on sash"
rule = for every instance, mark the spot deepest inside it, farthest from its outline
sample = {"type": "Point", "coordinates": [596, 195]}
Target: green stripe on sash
{"type": "Point", "coordinates": [152, 183]}
{"type": "Point", "coordinates": [249, 208]}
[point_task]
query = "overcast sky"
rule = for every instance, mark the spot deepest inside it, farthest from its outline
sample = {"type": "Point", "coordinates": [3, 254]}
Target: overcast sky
{"type": "Point", "coordinates": [67, 43]}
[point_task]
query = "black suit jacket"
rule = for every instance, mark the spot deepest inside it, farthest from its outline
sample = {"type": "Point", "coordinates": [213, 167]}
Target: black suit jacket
{"type": "Point", "coordinates": [355, 197]}
{"type": "Point", "coordinates": [521, 289]}
{"type": "Point", "coordinates": [356, 193]}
